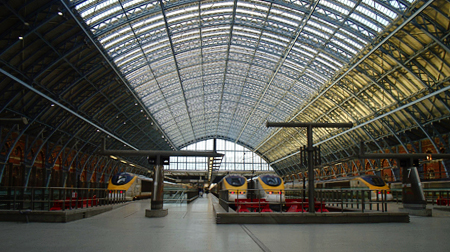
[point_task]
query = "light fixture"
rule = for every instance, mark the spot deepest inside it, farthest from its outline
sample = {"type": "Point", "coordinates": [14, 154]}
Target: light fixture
{"type": "Point", "coordinates": [20, 38]}
{"type": "Point", "coordinates": [60, 13]}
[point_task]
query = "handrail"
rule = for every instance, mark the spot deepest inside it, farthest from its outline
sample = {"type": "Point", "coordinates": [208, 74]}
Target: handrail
{"type": "Point", "coordinates": [57, 198]}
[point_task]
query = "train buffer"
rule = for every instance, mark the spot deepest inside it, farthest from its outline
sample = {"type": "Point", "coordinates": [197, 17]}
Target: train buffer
{"type": "Point", "coordinates": [241, 205]}
{"type": "Point", "coordinates": [71, 203]}
{"type": "Point", "coordinates": [257, 205]}
{"type": "Point", "coordinates": [441, 201]}
{"type": "Point", "coordinates": [295, 205]}
{"type": "Point", "coordinates": [298, 205]}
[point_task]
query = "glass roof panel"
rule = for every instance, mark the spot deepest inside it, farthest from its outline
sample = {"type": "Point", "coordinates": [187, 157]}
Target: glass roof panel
{"type": "Point", "coordinates": [199, 61]}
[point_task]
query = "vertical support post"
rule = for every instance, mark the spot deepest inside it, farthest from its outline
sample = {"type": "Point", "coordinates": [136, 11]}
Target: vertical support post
{"type": "Point", "coordinates": [310, 150]}
{"type": "Point", "coordinates": [158, 185]}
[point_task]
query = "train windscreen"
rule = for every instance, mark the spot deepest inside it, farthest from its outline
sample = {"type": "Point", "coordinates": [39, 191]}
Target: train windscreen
{"type": "Point", "coordinates": [121, 178]}
{"type": "Point", "coordinates": [235, 180]}
{"type": "Point", "coordinates": [374, 180]}
{"type": "Point", "coordinates": [271, 180]}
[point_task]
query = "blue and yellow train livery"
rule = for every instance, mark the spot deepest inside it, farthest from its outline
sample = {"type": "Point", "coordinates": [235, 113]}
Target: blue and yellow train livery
{"type": "Point", "coordinates": [235, 184]}
{"type": "Point", "coordinates": [269, 187]}
{"type": "Point", "coordinates": [134, 186]}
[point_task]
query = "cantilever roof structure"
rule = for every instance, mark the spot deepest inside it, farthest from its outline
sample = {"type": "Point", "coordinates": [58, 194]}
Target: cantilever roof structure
{"type": "Point", "coordinates": [166, 74]}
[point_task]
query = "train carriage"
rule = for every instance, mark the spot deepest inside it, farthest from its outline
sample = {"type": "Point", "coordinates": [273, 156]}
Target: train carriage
{"type": "Point", "coordinates": [135, 186]}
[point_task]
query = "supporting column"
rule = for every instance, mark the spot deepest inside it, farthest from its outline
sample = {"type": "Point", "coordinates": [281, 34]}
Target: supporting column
{"type": "Point", "coordinates": [158, 191]}
{"type": "Point", "coordinates": [310, 170]}
{"type": "Point", "coordinates": [413, 198]}
{"type": "Point", "coordinates": [310, 149]}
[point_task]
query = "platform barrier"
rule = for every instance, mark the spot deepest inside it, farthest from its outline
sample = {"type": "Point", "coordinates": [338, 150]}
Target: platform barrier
{"type": "Point", "coordinates": [295, 200]}
{"type": "Point", "coordinates": [57, 198]}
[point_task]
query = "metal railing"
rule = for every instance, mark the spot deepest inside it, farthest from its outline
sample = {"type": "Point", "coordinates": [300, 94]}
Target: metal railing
{"type": "Point", "coordinates": [353, 199]}
{"type": "Point", "coordinates": [432, 196]}
{"type": "Point", "coordinates": [180, 196]}
{"type": "Point", "coordinates": [334, 200]}
{"type": "Point", "coordinates": [57, 198]}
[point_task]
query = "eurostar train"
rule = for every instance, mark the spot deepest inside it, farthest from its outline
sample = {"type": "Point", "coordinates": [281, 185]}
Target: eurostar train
{"type": "Point", "coordinates": [367, 182]}
{"type": "Point", "coordinates": [136, 186]}
{"type": "Point", "coordinates": [269, 187]}
{"type": "Point", "coordinates": [235, 184]}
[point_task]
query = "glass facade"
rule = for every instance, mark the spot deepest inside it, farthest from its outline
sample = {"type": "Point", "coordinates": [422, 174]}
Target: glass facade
{"type": "Point", "coordinates": [236, 158]}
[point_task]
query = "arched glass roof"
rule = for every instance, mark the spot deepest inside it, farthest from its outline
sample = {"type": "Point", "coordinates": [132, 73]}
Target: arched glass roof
{"type": "Point", "coordinates": [237, 158]}
{"type": "Point", "coordinates": [223, 68]}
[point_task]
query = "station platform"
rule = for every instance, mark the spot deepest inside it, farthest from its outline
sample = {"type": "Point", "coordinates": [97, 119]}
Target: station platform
{"type": "Point", "coordinates": [192, 227]}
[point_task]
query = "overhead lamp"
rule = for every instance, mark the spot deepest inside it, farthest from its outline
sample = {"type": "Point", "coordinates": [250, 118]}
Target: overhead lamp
{"type": "Point", "coordinates": [60, 13]}
{"type": "Point", "coordinates": [113, 157]}
{"type": "Point", "coordinates": [20, 38]}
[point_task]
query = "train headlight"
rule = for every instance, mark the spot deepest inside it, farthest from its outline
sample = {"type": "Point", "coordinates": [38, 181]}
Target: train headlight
{"type": "Point", "coordinates": [270, 192]}
{"type": "Point", "coordinates": [232, 192]}
{"type": "Point", "coordinates": [242, 192]}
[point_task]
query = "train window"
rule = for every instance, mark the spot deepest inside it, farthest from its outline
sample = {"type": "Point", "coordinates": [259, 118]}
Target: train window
{"type": "Point", "coordinates": [271, 180]}
{"type": "Point", "coordinates": [374, 180]}
{"type": "Point", "coordinates": [235, 180]}
{"type": "Point", "coordinates": [121, 178]}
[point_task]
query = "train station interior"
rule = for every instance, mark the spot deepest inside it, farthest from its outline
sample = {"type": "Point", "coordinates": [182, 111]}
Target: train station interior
{"type": "Point", "coordinates": [224, 125]}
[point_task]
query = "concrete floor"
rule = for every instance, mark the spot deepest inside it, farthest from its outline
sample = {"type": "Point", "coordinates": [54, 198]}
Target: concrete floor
{"type": "Point", "coordinates": [192, 228]}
